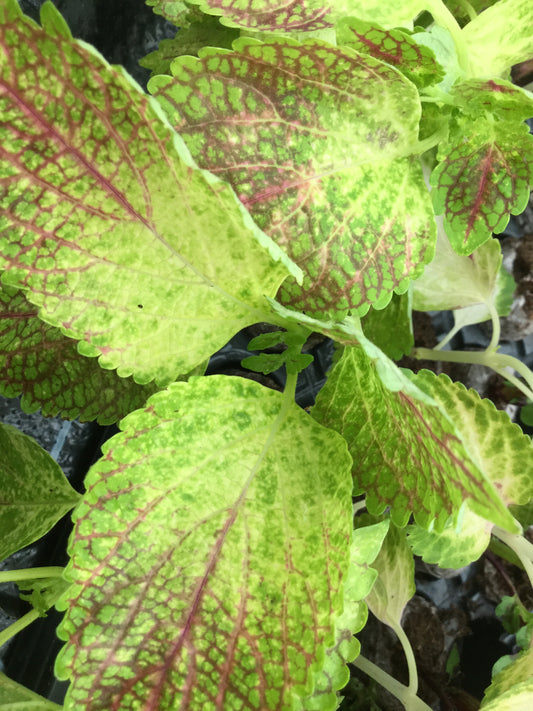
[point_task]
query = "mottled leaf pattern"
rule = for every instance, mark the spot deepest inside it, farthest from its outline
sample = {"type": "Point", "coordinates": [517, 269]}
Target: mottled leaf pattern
{"type": "Point", "coordinates": [456, 546]}
{"type": "Point", "coordinates": [296, 15]}
{"type": "Point", "coordinates": [192, 583]}
{"type": "Point", "coordinates": [483, 176]}
{"type": "Point", "coordinates": [504, 452]}
{"type": "Point", "coordinates": [335, 674]}
{"type": "Point", "coordinates": [393, 47]}
{"type": "Point", "coordinates": [39, 362]}
{"type": "Point", "coordinates": [514, 680]}
{"type": "Point", "coordinates": [174, 10]}
{"type": "Point", "coordinates": [34, 492]}
{"type": "Point", "coordinates": [118, 238]}
{"type": "Point", "coordinates": [407, 454]}
{"type": "Point", "coordinates": [493, 53]}
{"type": "Point", "coordinates": [309, 135]}
{"type": "Point", "coordinates": [15, 696]}
{"type": "Point", "coordinates": [497, 96]}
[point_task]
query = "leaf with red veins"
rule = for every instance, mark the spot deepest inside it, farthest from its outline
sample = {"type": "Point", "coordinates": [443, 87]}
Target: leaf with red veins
{"type": "Point", "coordinates": [193, 586]}
{"type": "Point", "coordinates": [316, 142]}
{"type": "Point", "coordinates": [297, 15]}
{"type": "Point", "coordinates": [416, 61]}
{"type": "Point", "coordinates": [105, 221]}
{"type": "Point", "coordinates": [483, 176]}
{"type": "Point", "coordinates": [39, 362]}
{"type": "Point", "coordinates": [497, 96]}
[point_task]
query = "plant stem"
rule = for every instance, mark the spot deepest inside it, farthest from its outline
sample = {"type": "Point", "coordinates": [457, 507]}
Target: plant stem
{"type": "Point", "coordinates": [410, 657]}
{"type": "Point", "coordinates": [444, 18]}
{"type": "Point", "coordinates": [401, 692]}
{"type": "Point", "coordinates": [19, 625]}
{"type": "Point", "coordinates": [495, 361]}
{"type": "Point", "coordinates": [522, 548]}
{"type": "Point", "coordinates": [13, 576]}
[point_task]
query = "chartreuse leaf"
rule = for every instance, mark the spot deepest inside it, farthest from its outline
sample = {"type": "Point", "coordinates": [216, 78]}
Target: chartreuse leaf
{"type": "Point", "coordinates": [43, 593]}
{"type": "Point", "coordinates": [395, 583]}
{"type": "Point", "coordinates": [34, 492]}
{"type": "Point", "coordinates": [493, 53]}
{"type": "Point", "coordinates": [394, 47]}
{"type": "Point", "coordinates": [497, 96]}
{"type": "Point", "coordinates": [463, 10]}
{"type": "Point", "coordinates": [274, 120]}
{"type": "Point", "coordinates": [475, 288]}
{"type": "Point", "coordinates": [15, 697]}
{"type": "Point", "coordinates": [192, 580]}
{"type": "Point", "coordinates": [298, 15]}
{"type": "Point", "coordinates": [455, 546]}
{"type": "Point", "coordinates": [174, 10]}
{"type": "Point", "coordinates": [483, 176]}
{"type": "Point", "coordinates": [120, 241]}
{"type": "Point", "coordinates": [511, 689]}
{"type": "Point", "coordinates": [38, 361]}
{"type": "Point", "coordinates": [503, 451]}
{"type": "Point", "coordinates": [391, 328]}
{"type": "Point", "coordinates": [335, 675]}
{"type": "Point", "coordinates": [407, 452]}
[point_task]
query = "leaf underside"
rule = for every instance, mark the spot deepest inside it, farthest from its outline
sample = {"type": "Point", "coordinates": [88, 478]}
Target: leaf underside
{"type": "Point", "coordinates": [116, 236]}
{"type": "Point", "coordinates": [406, 453]}
{"type": "Point", "coordinates": [192, 585]}
{"type": "Point", "coordinates": [274, 120]}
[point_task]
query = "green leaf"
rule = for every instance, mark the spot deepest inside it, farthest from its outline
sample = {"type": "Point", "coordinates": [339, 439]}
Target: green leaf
{"type": "Point", "coordinates": [391, 328]}
{"type": "Point", "coordinates": [359, 580]}
{"type": "Point", "coordinates": [493, 51]}
{"type": "Point", "coordinates": [297, 15]}
{"type": "Point", "coordinates": [44, 592]}
{"type": "Point", "coordinates": [34, 492]}
{"type": "Point", "coordinates": [503, 452]}
{"type": "Point", "coordinates": [454, 547]}
{"type": "Point", "coordinates": [512, 687]}
{"type": "Point", "coordinates": [395, 584]}
{"type": "Point", "coordinates": [190, 554]}
{"type": "Point", "coordinates": [265, 363]}
{"type": "Point", "coordinates": [407, 453]}
{"type": "Point", "coordinates": [495, 96]}
{"type": "Point", "coordinates": [174, 10]}
{"type": "Point", "coordinates": [274, 120]}
{"type": "Point", "coordinates": [105, 220]}
{"type": "Point", "coordinates": [15, 697]}
{"type": "Point", "coordinates": [38, 361]}
{"type": "Point", "coordinates": [459, 8]}
{"type": "Point", "coordinates": [394, 47]}
{"type": "Point", "coordinates": [439, 40]}
{"type": "Point", "coordinates": [472, 287]}
{"type": "Point", "coordinates": [483, 176]}
{"type": "Point", "coordinates": [189, 40]}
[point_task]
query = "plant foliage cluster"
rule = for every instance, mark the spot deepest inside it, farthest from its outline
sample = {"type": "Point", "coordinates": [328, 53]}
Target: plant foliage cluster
{"type": "Point", "coordinates": [317, 166]}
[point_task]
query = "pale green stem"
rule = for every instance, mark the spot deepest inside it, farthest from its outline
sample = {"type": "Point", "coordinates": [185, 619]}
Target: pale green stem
{"type": "Point", "coordinates": [430, 141]}
{"type": "Point", "coordinates": [444, 18]}
{"type": "Point", "coordinates": [410, 657]}
{"type": "Point", "coordinates": [289, 390]}
{"type": "Point", "coordinates": [472, 14]}
{"type": "Point", "coordinates": [496, 328]}
{"type": "Point", "coordinates": [495, 361]}
{"type": "Point", "coordinates": [14, 576]}
{"type": "Point", "coordinates": [358, 506]}
{"type": "Point", "coordinates": [19, 625]}
{"type": "Point", "coordinates": [520, 546]}
{"type": "Point", "coordinates": [401, 692]}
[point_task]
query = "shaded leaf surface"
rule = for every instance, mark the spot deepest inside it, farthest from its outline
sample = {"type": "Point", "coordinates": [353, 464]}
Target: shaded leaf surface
{"type": "Point", "coordinates": [192, 584]}
{"type": "Point", "coordinates": [38, 361]}
{"type": "Point", "coordinates": [483, 176]}
{"type": "Point", "coordinates": [105, 220]}
{"type": "Point", "coordinates": [406, 453]}
{"type": "Point", "coordinates": [275, 120]}
{"type": "Point", "coordinates": [34, 492]}
{"type": "Point", "coordinates": [15, 697]}
{"type": "Point", "coordinates": [391, 328]}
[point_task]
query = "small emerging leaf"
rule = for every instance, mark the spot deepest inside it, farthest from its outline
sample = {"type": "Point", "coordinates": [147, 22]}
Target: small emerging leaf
{"type": "Point", "coordinates": [34, 492]}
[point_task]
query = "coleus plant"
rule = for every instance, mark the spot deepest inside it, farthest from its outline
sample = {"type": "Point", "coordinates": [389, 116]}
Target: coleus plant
{"type": "Point", "coordinates": [316, 166]}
